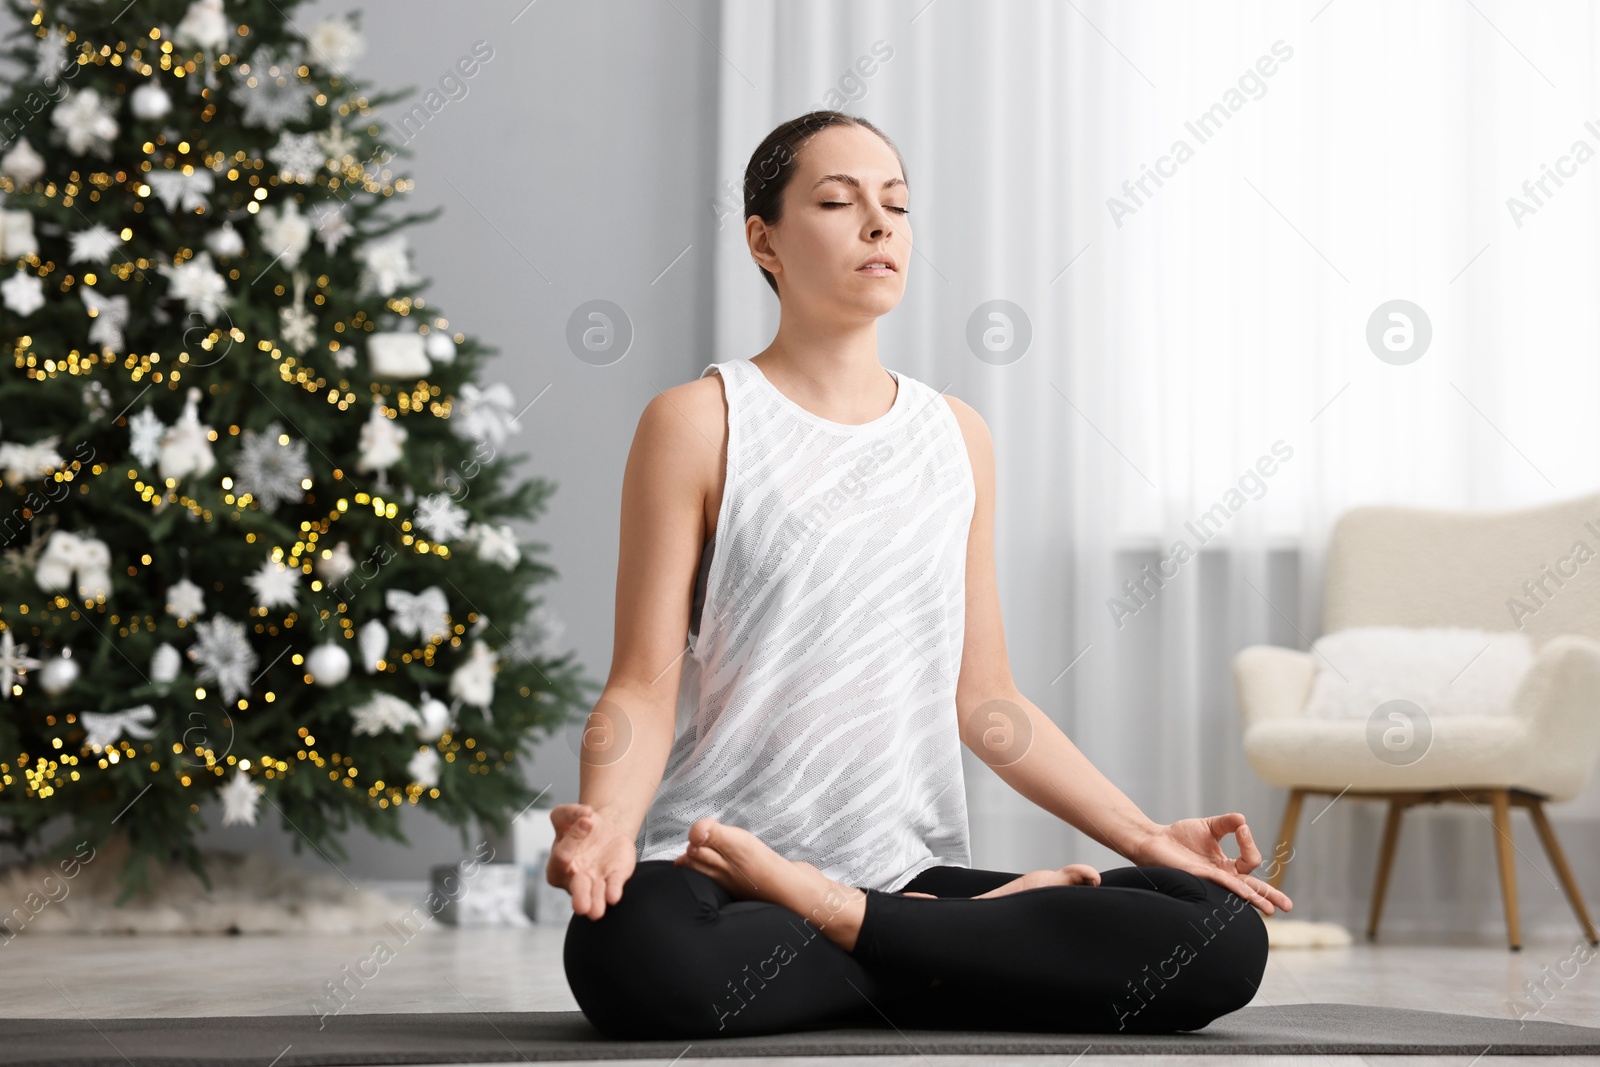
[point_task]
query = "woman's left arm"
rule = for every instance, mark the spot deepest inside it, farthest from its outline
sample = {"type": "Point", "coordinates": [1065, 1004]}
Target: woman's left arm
{"type": "Point", "coordinates": [1031, 754]}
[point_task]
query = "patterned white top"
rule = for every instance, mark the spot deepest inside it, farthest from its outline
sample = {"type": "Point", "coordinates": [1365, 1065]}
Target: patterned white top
{"type": "Point", "coordinates": [817, 705]}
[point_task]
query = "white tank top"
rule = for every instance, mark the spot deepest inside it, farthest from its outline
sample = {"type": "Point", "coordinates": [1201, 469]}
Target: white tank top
{"type": "Point", "coordinates": [817, 705]}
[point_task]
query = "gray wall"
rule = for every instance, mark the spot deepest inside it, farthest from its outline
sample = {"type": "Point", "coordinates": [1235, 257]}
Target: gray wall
{"type": "Point", "coordinates": [577, 165]}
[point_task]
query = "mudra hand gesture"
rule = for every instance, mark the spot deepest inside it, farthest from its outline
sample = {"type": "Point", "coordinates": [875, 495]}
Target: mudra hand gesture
{"type": "Point", "coordinates": [1195, 845]}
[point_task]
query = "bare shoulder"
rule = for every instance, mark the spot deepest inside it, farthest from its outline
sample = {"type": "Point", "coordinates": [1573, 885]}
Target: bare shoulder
{"type": "Point", "coordinates": [687, 414]}
{"type": "Point", "coordinates": [681, 440]}
{"type": "Point", "coordinates": [980, 447]}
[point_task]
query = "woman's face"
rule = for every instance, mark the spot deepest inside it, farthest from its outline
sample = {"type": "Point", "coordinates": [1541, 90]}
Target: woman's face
{"type": "Point", "coordinates": [845, 204]}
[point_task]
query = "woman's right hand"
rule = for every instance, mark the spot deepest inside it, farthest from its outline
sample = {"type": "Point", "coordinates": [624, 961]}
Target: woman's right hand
{"type": "Point", "coordinates": [591, 858]}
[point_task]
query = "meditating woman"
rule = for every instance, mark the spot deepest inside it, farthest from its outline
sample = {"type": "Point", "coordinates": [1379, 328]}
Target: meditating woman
{"type": "Point", "coordinates": [772, 833]}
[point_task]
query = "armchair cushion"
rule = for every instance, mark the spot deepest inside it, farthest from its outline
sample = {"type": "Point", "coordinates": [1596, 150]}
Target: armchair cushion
{"type": "Point", "coordinates": [1445, 670]}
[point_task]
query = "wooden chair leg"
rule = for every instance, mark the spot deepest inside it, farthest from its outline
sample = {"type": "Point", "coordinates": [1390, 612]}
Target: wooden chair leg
{"type": "Point", "coordinates": [1508, 867]}
{"type": "Point", "coordinates": [1547, 834]}
{"type": "Point", "coordinates": [1391, 834]}
{"type": "Point", "coordinates": [1279, 860]}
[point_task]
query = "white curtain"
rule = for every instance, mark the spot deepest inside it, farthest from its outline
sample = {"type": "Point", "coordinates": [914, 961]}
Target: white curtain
{"type": "Point", "coordinates": [1190, 333]}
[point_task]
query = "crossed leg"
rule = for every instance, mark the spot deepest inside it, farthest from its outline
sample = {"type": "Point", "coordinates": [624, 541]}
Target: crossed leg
{"type": "Point", "coordinates": [1149, 949]}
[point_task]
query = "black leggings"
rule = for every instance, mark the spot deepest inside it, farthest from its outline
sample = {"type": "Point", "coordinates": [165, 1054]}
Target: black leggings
{"type": "Point", "coordinates": [1148, 950]}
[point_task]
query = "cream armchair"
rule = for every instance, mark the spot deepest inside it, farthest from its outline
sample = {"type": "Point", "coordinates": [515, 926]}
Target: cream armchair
{"type": "Point", "coordinates": [1401, 566]}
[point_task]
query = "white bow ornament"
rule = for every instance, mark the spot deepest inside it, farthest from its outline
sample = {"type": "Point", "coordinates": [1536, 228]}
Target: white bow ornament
{"type": "Point", "coordinates": [68, 556]}
{"type": "Point", "coordinates": [105, 727]}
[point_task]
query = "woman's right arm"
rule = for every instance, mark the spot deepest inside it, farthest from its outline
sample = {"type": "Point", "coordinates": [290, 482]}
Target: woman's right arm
{"type": "Point", "coordinates": [675, 460]}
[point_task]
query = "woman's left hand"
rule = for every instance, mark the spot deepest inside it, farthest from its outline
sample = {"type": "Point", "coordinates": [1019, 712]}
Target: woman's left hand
{"type": "Point", "coordinates": [1195, 845]}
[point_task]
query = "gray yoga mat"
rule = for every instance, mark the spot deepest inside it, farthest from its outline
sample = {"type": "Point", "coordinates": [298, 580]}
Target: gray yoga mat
{"type": "Point", "coordinates": [296, 1040]}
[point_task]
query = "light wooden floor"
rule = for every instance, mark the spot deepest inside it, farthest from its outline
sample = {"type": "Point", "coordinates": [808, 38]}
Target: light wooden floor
{"type": "Point", "coordinates": [448, 970]}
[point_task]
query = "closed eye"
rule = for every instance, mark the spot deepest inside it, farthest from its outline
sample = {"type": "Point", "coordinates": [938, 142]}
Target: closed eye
{"type": "Point", "coordinates": [844, 203]}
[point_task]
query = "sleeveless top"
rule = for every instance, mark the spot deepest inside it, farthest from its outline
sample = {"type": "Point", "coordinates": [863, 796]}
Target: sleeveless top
{"type": "Point", "coordinates": [817, 702]}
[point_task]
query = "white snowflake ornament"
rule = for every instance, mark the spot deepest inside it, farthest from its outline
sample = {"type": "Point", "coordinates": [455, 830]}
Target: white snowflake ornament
{"type": "Point", "coordinates": [145, 431]}
{"type": "Point", "coordinates": [275, 584]}
{"type": "Point", "coordinates": [331, 224]}
{"type": "Point", "coordinates": [271, 466]}
{"type": "Point", "coordinates": [14, 663]}
{"type": "Point", "coordinates": [240, 798]}
{"type": "Point", "coordinates": [224, 655]}
{"type": "Point", "coordinates": [298, 156]}
{"type": "Point", "coordinates": [204, 26]}
{"type": "Point", "coordinates": [185, 600]}
{"type": "Point", "coordinates": [197, 283]}
{"type": "Point", "coordinates": [23, 164]}
{"type": "Point", "coordinates": [269, 88]}
{"type": "Point", "coordinates": [23, 293]}
{"type": "Point", "coordinates": [441, 518]}
{"type": "Point", "coordinates": [86, 122]}
{"type": "Point", "coordinates": [94, 244]}
{"type": "Point", "coordinates": [335, 42]}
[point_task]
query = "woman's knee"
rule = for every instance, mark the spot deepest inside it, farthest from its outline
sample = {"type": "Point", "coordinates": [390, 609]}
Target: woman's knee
{"type": "Point", "coordinates": [619, 966]}
{"type": "Point", "coordinates": [1217, 959]}
{"type": "Point", "coordinates": [1233, 940]}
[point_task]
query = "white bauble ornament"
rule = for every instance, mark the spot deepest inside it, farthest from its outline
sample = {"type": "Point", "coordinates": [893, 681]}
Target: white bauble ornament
{"type": "Point", "coordinates": [435, 718]}
{"type": "Point", "coordinates": [328, 664]}
{"type": "Point", "coordinates": [22, 164]}
{"type": "Point", "coordinates": [224, 241]}
{"type": "Point", "coordinates": [335, 564]}
{"type": "Point", "coordinates": [150, 101]}
{"type": "Point", "coordinates": [164, 664]}
{"type": "Point", "coordinates": [440, 346]}
{"type": "Point", "coordinates": [374, 642]}
{"type": "Point", "coordinates": [397, 354]}
{"type": "Point", "coordinates": [57, 675]}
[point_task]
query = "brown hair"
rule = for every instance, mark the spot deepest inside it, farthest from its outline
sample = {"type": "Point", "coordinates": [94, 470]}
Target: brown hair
{"type": "Point", "coordinates": [773, 163]}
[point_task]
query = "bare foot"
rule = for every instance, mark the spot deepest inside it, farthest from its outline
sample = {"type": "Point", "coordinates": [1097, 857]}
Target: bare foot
{"type": "Point", "coordinates": [1072, 874]}
{"type": "Point", "coordinates": [748, 869]}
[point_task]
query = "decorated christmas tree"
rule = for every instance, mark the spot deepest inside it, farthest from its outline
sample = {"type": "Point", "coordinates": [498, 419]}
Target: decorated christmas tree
{"type": "Point", "coordinates": [257, 541]}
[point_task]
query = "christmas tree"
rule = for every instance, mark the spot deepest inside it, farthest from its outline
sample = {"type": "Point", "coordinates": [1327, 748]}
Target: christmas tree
{"type": "Point", "coordinates": [257, 538]}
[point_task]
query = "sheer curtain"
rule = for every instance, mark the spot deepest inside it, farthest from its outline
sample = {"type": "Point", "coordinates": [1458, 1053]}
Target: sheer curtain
{"type": "Point", "coordinates": [1184, 230]}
